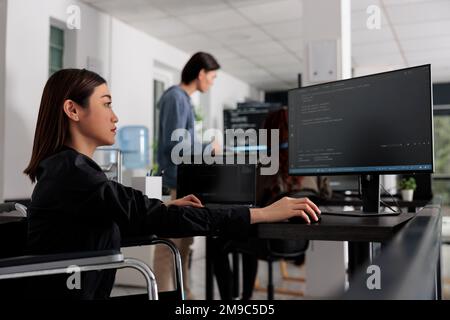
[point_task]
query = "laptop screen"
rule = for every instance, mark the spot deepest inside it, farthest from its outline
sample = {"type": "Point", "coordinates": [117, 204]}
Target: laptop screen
{"type": "Point", "coordinates": [218, 183]}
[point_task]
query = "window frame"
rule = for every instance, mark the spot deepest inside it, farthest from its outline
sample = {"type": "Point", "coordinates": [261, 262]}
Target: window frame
{"type": "Point", "coordinates": [167, 77]}
{"type": "Point", "coordinates": [56, 46]}
{"type": "Point", "coordinates": [440, 111]}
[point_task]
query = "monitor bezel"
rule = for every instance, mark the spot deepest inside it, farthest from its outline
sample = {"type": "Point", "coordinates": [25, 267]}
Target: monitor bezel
{"type": "Point", "coordinates": [377, 172]}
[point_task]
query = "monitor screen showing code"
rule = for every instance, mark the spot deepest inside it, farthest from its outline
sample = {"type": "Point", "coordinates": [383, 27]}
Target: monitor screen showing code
{"type": "Point", "coordinates": [372, 124]}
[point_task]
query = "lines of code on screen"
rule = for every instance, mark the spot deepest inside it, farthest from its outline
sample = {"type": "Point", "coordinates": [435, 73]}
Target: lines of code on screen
{"type": "Point", "coordinates": [378, 123]}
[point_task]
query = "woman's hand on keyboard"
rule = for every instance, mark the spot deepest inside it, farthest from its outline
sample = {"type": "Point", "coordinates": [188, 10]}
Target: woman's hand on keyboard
{"type": "Point", "coordinates": [189, 200]}
{"type": "Point", "coordinates": [286, 208]}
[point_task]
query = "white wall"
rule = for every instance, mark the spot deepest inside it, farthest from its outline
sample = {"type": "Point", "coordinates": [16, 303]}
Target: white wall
{"type": "Point", "coordinates": [366, 70]}
{"type": "Point", "coordinates": [27, 55]}
{"type": "Point", "coordinates": [133, 74]}
{"type": "Point", "coordinates": [134, 55]}
{"type": "Point", "coordinates": [2, 88]}
{"type": "Point", "coordinates": [225, 93]}
{"type": "Point", "coordinates": [123, 55]}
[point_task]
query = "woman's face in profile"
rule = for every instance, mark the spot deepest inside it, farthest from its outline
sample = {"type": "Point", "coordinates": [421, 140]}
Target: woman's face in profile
{"type": "Point", "coordinates": [206, 80]}
{"type": "Point", "coordinates": [98, 121]}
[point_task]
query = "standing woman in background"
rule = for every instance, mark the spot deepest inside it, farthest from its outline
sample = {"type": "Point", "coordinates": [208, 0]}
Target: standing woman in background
{"type": "Point", "coordinates": [75, 207]}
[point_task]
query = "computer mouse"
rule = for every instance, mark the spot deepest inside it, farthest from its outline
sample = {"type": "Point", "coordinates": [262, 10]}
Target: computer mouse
{"type": "Point", "coordinates": [300, 220]}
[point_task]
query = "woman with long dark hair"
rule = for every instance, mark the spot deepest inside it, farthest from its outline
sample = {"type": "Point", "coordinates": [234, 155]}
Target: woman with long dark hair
{"type": "Point", "coordinates": [74, 207]}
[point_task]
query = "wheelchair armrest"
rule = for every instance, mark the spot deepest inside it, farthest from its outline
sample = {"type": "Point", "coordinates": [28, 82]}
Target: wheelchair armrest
{"type": "Point", "coordinates": [36, 263]}
{"type": "Point", "coordinates": [154, 240]}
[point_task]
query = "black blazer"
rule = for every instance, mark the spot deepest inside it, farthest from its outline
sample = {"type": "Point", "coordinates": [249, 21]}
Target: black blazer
{"type": "Point", "coordinates": [75, 207]}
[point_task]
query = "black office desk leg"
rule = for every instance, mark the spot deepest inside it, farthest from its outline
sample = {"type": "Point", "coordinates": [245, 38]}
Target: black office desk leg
{"type": "Point", "coordinates": [270, 288]}
{"type": "Point", "coordinates": [358, 256]}
{"type": "Point", "coordinates": [236, 288]}
{"type": "Point", "coordinates": [209, 271]}
{"type": "Point", "coordinates": [438, 280]}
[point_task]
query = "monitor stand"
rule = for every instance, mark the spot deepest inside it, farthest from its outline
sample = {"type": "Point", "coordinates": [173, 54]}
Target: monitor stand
{"type": "Point", "coordinates": [370, 192]}
{"type": "Point", "coordinates": [360, 253]}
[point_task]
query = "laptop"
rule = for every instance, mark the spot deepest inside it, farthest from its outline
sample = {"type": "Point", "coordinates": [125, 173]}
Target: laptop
{"type": "Point", "coordinates": [218, 185]}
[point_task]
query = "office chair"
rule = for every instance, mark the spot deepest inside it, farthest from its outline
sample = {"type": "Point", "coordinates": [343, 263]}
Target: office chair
{"type": "Point", "coordinates": [15, 265]}
{"type": "Point", "coordinates": [272, 251]}
{"type": "Point", "coordinates": [277, 250]}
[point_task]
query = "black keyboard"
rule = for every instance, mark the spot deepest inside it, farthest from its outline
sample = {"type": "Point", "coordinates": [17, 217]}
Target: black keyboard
{"type": "Point", "coordinates": [227, 205]}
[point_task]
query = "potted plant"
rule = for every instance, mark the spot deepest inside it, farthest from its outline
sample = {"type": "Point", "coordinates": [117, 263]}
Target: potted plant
{"type": "Point", "coordinates": [407, 187]}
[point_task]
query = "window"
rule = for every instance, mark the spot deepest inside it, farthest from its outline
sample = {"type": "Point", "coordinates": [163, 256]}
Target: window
{"type": "Point", "coordinates": [56, 60]}
{"type": "Point", "coordinates": [441, 178]}
{"type": "Point", "coordinates": [442, 145]}
{"type": "Point", "coordinates": [163, 78]}
{"type": "Point", "coordinates": [158, 90]}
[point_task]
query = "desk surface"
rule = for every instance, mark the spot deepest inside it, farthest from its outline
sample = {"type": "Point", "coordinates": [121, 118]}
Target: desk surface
{"type": "Point", "coordinates": [335, 228]}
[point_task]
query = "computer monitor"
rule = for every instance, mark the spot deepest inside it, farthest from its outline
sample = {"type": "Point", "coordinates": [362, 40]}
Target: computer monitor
{"type": "Point", "coordinates": [251, 117]}
{"type": "Point", "coordinates": [218, 183]}
{"type": "Point", "coordinates": [371, 125]}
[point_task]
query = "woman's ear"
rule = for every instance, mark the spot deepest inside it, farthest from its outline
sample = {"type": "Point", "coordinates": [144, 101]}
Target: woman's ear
{"type": "Point", "coordinates": [201, 74]}
{"type": "Point", "coordinates": [71, 110]}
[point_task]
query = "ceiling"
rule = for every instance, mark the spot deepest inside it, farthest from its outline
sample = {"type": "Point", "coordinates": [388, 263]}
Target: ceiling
{"type": "Point", "coordinates": [260, 41]}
